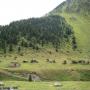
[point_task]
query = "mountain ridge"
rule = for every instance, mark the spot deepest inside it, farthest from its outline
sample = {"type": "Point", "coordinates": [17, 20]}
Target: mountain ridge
{"type": "Point", "coordinates": [77, 14]}
{"type": "Point", "coordinates": [73, 6]}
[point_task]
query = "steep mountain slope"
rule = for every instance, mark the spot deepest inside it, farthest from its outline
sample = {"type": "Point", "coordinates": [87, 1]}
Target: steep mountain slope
{"type": "Point", "coordinates": [37, 32]}
{"type": "Point", "coordinates": [77, 14]}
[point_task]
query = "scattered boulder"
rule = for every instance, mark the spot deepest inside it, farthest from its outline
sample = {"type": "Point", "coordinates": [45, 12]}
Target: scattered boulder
{"type": "Point", "coordinates": [50, 52]}
{"type": "Point", "coordinates": [57, 84]}
{"type": "Point", "coordinates": [47, 60]}
{"type": "Point", "coordinates": [50, 61]}
{"type": "Point", "coordinates": [88, 62]}
{"type": "Point", "coordinates": [73, 18]}
{"type": "Point", "coordinates": [21, 54]}
{"type": "Point", "coordinates": [25, 61]}
{"type": "Point", "coordinates": [34, 61]}
{"type": "Point", "coordinates": [15, 88]}
{"type": "Point", "coordinates": [15, 57]}
{"type": "Point", "coordinates": [9, 88]}
{"type": "Point", "coordinates": [80, 62]}
{"type": "Point", "coordinates": [33, 77]}
{"type": "Point", "coordinates": [1, 83]}
{"type": "Point", "coordinates": [74, 62]}
{"type": "Point", "coordinates": [65, 62]}
{"type": "Point", "coordinates": [14, 64]}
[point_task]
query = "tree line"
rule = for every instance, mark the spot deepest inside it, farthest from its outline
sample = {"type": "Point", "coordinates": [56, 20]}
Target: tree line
{"type": "Point", "coordinates": [37, 32]}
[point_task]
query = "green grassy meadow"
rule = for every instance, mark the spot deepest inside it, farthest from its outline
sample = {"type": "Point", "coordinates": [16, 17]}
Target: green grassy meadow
{"type": "Point", "coordinates": [47, 71]}
{"type": "Point", "coordinates": [66, 85]}
{"type": "Point", "coordinates": [81, 27]}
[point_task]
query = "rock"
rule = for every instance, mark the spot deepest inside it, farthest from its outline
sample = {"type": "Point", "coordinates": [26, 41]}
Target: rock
{"type": "Point", "coordinates": [57, 84]}
{"type": "Point", "coordinates": [1, 83]}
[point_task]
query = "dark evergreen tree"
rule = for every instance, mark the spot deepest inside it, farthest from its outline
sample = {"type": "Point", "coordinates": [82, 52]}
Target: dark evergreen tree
{"type": "Point", "coordinates": [10, 47]}
{"type": "Point", "coordinates": [52, 30]}
{"type": "Point", "coordinates": [19, 49]}
{"type": "Point", "coordinates": [30, 77]}
{"type": "Point", "coordinates": [74, 44]}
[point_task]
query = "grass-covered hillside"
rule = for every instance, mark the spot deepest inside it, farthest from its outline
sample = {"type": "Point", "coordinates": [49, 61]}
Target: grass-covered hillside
{"type": "Point", "coordinates": [77, 14]}
{"type": "Point", "coordinates": [52, 48]}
